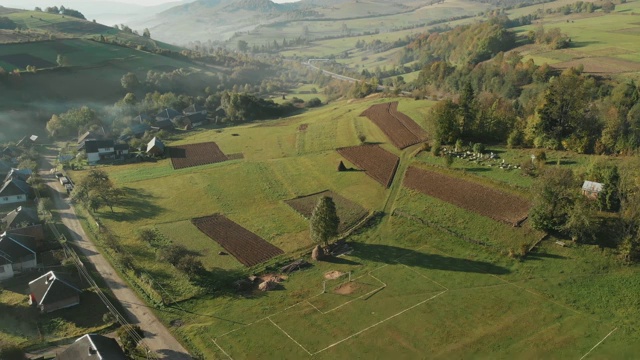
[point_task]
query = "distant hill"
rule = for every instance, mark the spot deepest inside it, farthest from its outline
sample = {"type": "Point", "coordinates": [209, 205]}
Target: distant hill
{"type": "Point", "coordinates": [204, 20]}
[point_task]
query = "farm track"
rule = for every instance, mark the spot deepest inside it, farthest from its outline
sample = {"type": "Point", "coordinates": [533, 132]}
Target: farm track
{"type": "Point", "coordinates": [247, 247]}
{"type": "Point", "coordinates": [157, 337]}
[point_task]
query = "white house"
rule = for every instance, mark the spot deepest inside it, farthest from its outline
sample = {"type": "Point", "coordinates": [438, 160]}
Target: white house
{"type": "Point", "coordinates": [98, 150]}
{"type": "Point", "coordinates": [17, 254]}
{"type": "Point", "coordinates": [14, 190]}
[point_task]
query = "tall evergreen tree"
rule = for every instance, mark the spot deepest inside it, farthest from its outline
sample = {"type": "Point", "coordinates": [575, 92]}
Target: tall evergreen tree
{"type": "Point", "coordinates": [324, 221]}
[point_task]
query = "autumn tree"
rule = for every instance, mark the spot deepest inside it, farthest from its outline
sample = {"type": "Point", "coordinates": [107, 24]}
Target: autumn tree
{"type": "Point", "coordinates": [554, 197]}
{"type": "Point", "coordinates": [324, 221]}
{"type": "Point", "coordinates": [96, 190]}
{"type": "Point", "coordinates": [130, 82]}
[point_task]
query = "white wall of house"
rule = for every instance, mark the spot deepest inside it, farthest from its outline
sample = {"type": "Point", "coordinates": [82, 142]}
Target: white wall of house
{"type": "Point", "coordinates": [93, 157]}
{"type": "Point", "coordinates": [6, 271]}
{"type": "Point", "coordinates": [105, 150]}
{"type": "Point", "coordinates": [12, 199]}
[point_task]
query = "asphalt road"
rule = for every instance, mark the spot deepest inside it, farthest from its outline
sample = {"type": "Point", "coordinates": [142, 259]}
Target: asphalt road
{"type": "Point", "coordinates": [156, 336]}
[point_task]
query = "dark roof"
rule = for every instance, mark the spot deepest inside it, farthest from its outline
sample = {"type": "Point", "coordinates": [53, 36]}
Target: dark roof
{"type": "Point", "coordinates": [89, 135]}
{"type": "Point", "coordinates": [194, 109]}
{"type": "Point", "coordinates": [14, 247]}
{"type": "Point", "coordinates": [197, 118]}
{"type": "Point", "coordinates": [10, 151]}
{"type": "Point", "coordinates": [5, 167]}
{"type": "Point", "coordinates": [15, 186]}
{"type": "Point", "coordinates": [92, 146]}
{"type": "Point", "coordinates": [93, 347]}
{"type": "Point", "coordinates": [163, 124]}
{"type": "Point", "coordinates": [22, 174]}
{"type": "Point", "coordinates": [139, 129]}
{"type": "Point", "coordinates": [121, 147]}
{"type": "Point", "coordinates": [167, 114]}
{"type": "Point", "coordinates": [142, 118]}
{"type": "Point", "coordinates": [21, 215]}
{"type": "Point", "coordinates": [51, 287]}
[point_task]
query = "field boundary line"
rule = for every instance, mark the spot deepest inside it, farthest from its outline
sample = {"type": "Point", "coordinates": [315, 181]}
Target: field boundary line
{"type": "Point", "coordinates": [289, 336]}
{"type": "Point", "coordinates": [221, 349]}
{"type": "Point", "coordinates": [424, 276]}
{"type": "Point", "coordinates": [384, 285]}
{"type": "Point", "coordinates": [598, 344]}
{"type": "Point", "coordinates": [379, 322]}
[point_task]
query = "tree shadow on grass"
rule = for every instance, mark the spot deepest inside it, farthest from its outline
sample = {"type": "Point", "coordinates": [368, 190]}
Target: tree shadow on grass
{"type": "Point", "coordinates": [137, 204]}
{"type": "Point", "coordinates": [395, 255]}
{"type": "Point", "coordinates": [476, 170]}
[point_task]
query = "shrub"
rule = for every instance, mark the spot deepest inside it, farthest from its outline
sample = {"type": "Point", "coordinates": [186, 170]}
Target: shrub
{"type": "Point", "coordinates": [314, 102]}
{"type": "Point", "coordinates": [172, 253]}
{"type": "Point", "coordinates": [128, 339]}
{"type": "Point", "coordinates": [190, 265]}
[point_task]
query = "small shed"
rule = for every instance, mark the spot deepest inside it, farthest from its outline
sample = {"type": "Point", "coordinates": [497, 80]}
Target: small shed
{"type": "Point", "coordinates": [591, 189]}
{"type": "Point", "coordinates": [155, 147]}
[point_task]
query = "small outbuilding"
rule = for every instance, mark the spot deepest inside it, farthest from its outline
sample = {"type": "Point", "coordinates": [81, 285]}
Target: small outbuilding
{"type": "Point", "coordinates": [592, 189]}
{"type": "Point", "coordinates": [155, 147]}
{"type": "Point", "coordinates": [50, 292]}
{"type": "Point", "coordinates": [17, 254]}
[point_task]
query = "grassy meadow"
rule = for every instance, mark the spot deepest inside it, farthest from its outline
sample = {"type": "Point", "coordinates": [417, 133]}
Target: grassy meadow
{"type": "Point", "coordinates": [416, 286]}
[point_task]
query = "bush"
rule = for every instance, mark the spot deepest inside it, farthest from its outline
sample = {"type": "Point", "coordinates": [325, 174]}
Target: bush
{"type": "Point", "coordinates": [129, 342]}
{"type": "Point", "coordinates": [478, 148]}
{"type": "Point", "coordinates": [190, 265]}
{"type": "Point", "coordinates": [172, 254]}
{"type": "Point", "coordinates": [314, 102]}
{"type": "Point", "coordinates": [435, 149]}
{"type": "Point", "coordinates": [362, 138]}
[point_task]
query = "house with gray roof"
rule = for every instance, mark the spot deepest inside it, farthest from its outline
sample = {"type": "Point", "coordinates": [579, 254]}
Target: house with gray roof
{"type": "Point", "coordinates": [14, 190]}
{"type": "Point", "coordinates": [21, 216]}
{"type": "Point", "coordinates": [51, 292]}
{"type": "Point", "coordinates": [155, 147]}
{"type": "Point", "coordinates": [93, 347]}
{"type": "Point", "coordinates": [17, 254]}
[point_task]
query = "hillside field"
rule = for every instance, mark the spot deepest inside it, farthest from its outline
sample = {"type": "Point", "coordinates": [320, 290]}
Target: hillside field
{"type": "Point", "coordinates": [427, 276]}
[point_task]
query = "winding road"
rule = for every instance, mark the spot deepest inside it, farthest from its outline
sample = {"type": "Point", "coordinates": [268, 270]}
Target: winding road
{"type": "Point", "coordinates": [156, 336]}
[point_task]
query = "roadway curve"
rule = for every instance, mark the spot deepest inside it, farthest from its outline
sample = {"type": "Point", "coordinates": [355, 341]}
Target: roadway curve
{"type": "Point", "coordinates": [156, 336]}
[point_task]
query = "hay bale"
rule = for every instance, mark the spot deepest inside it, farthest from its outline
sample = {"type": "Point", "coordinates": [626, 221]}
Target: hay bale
{"type": "Point", "coordinates": [267, 285]}
{"type": "Point", "coordinates": [317, 253]}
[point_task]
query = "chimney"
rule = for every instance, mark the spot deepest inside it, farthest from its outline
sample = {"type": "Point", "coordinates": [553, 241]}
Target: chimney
{"type": "Point", "coordinates": [92, 351]}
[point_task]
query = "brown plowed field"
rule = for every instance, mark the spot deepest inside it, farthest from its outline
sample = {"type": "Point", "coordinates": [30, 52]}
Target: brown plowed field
{"type": "Point", "coordinates": [401, 130]}
{"type": "Point", "coordinates": [377, 162]}
{"type": "Point", "coordinates": [247, 247]}
{"type": "Point", "coordinates": [348, 211]}
{"type": "Point", "coordinates": [468, 195]}
{"type": "Point", "coordinates": [184, 156]}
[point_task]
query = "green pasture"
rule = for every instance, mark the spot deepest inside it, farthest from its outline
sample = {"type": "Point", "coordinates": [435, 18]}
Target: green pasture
{"type": "Point", "coordinates": [458, 299]}
{"type": "Point", "coordinates": [417, 288]}
{"type": "Point", "coordinates": [608, 43]}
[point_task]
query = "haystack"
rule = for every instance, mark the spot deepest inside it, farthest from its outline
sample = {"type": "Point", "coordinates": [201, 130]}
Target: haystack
{"type": "Point", "coordinates": [317, 253]}
{"type": "Point", "coordinates": [267, 285]}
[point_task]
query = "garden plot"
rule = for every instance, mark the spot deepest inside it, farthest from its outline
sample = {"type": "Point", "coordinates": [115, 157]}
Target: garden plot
{"type": "Point", "coordinates": [469, 195]}
{"type": "Point", "coordinates": [378, 163]}
{"type": "Point", "coordinates": [184, 156]}
{"type": "Point", "coordinates": [348, 211]}
{"type": "Point", "coordinates": [247, 247]}
{"type": "Point", "coordinates": [401, 130]}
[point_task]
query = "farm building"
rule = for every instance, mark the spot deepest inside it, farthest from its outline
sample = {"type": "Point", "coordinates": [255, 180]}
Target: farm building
{"type": "Point", "coordinates": [167, 114]}
{"type": "Point", "coordinates": [91, 135]}
{"type": "Point", "coordinates": [142, 119]}
{"type": "Point", "coordinates": [163, 125]}
{"type": "Point", "coordinates": [196, 119]}
{"type": "Point", "coordinates": [591, 189]}
{"type": "Point", "coordinates": [24, 221]}
{"type": "Point", "coordinates": [155, 147]}
{"type": "Point", "coordinates": [14, 190]}
{"type": "Point", "coordinates": [50, 292]}
{"type": "Point", "coordinates": [92, 347]}
{"type": "Point", "coordinates": [17, 254]}
{"type": "Point", "coordinates": [99, 150]}
{"type": "Point", "coordinates": [21, 174]}
{"type": "Point", "coordinates": [121, 150]}
{"type": "Point", "coordinates": [138, 130]}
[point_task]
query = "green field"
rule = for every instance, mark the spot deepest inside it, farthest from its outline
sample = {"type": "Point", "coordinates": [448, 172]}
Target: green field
{"type": "Point", "coordinates": [603, 43]}
{"type": "Point", "coordinates": [419, 285]}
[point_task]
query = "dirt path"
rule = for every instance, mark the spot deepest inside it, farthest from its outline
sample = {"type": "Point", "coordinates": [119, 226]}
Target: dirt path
{"type": "Point", "coordinates": [396, 185]}
{"type": "Point", "coordinates": [156, 335]}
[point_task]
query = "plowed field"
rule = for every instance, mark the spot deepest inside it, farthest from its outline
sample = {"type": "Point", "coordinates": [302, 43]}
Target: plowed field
{"type": "Point", "coordinates": [468, 195]}
{"type": "Point", "coordinates": [377, 162]}
{"type": "Point", "coordinates": [401, 130]}
{"type": "Point", "coordinates": [184, 156]}
{"type": "Point", "coordinates": [348, 211]}
{"type": "Point", "coordinates": [247, 247]}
